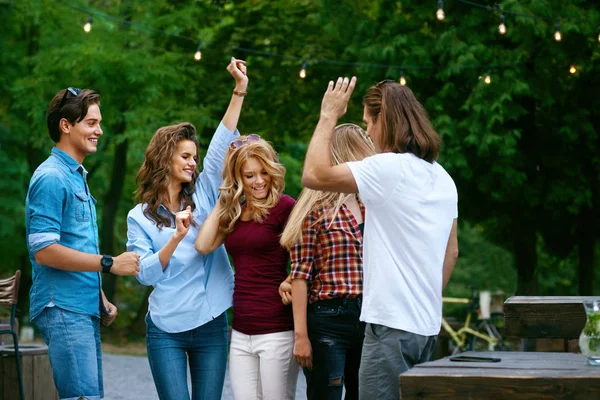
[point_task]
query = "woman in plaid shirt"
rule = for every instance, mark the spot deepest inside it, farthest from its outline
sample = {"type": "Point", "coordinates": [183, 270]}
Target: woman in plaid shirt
{"type": "Point", "coordinates": [324, 236]}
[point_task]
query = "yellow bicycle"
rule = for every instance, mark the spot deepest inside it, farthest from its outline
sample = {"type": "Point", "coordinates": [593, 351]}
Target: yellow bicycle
{"type": "Point", "coordinates": [480, 336]}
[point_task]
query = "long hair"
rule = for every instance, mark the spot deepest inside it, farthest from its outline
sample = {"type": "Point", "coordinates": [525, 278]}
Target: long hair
{"type": "Point", "coordinates": [404, 123]}
{"type": "Point", "coordinates": [154, 175]}
{"type": "Point", "coordinates": [349, 143]}
{"type": "Point", "coordinates": [232, 190]}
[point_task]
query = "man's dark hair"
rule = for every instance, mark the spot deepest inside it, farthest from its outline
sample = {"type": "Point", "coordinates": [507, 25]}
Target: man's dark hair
{"type": "Point", "coordinates": [72, 107]}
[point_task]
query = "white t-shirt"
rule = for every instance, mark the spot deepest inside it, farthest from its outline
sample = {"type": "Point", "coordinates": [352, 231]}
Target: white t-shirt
{"type": "Point", "coordinates": [411, 205]}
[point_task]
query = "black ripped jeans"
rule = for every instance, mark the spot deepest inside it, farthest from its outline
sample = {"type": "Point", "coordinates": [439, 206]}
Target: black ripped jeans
{"type": "Point", "coordinates": [336, 336]}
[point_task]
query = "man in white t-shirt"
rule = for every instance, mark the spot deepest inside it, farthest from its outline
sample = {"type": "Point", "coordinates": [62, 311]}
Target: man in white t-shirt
{"type": "Point", "coordinates": [410, 243]}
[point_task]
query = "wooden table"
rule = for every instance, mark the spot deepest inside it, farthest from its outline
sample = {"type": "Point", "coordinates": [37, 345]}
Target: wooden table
{"type": "Point", "coordinates": [518, 376]}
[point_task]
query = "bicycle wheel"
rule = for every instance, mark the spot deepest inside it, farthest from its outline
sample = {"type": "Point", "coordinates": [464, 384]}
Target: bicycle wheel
{"type": "Point", "coordinates": [479, 344]}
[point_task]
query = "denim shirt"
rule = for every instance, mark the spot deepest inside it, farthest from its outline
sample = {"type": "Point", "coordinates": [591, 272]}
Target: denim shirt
{"type": "Point", "coordinates": [60, 209]}
{"type": "Point", "coordinates": [193, 289]}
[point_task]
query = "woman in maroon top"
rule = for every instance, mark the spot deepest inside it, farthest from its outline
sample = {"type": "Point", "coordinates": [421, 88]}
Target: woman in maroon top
{"type": "Point", "coordinates": [249, 218]}
{"type": "Point", "coordinates": [324, 235]}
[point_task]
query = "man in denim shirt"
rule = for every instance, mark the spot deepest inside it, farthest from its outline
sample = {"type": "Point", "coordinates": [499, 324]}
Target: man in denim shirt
{"type": "Point", "coordinates": [62, 239]}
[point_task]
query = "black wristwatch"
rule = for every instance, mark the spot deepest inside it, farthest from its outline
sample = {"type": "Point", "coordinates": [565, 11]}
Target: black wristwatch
{"type": "Point", "coordinates": [106, 262]}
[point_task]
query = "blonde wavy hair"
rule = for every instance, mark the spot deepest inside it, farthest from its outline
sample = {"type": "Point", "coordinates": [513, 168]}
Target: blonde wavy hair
{"type": "Point", "coordinates": [349, 143]}
{"type": "Point", "coordinates": [232, 190]}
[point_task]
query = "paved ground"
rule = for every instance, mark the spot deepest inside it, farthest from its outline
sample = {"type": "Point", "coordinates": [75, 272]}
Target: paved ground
{"type": "Point", "coordinates": [129, 378]}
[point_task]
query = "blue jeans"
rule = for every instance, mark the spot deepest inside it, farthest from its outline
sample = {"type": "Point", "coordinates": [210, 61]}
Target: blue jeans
{"type": "Point", "coordinates": [206, 349]}
{"type": "Point", "coordinates": [74, 351]}
{"type": "Point", "coordinates": [336, 336]}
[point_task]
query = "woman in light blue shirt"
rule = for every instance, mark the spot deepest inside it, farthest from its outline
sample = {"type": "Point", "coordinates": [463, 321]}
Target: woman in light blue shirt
{"type": "Point", "coordinates": [186, 319]}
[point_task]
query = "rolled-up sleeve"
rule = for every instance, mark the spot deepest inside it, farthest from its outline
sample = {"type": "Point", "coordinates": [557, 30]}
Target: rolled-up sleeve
{"type": "Point", "coordinates": [302, 254]}
{"type": "Point", "coordinates": [138, 241]}
{"type": "Point", "coordinates": [210, 178]}
{"type": "Point", "coordinates": [47, 194]}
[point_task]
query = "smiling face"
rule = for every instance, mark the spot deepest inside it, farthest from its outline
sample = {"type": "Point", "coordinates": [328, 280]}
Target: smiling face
{"type": "Point", "coordinates": [184, 162]}
{"type": "Point", "coordinates": [256, 180]}
{"type": "Point", "coordinates": [80, 139]}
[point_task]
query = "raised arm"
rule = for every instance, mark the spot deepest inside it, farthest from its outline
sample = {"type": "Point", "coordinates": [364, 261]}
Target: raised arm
{"type": "Point", "coordinates": [209, 236]}
{"type": "Point", "coordinates": [237, 69]}
{"type": "Point", "coordinates": [318, 172]}
{"type": "Point", "coordinates": [210, 178]}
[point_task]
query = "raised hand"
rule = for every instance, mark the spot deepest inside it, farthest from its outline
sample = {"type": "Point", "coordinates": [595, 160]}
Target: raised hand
{"type": "Point", "coordinates": [335, 100]}
{"type": "Point", "coordinates": [126, 264]}
{"type": "Point", "coordinates": [183, 220]}
{"type": "Point", "coordinates": [237, 69]}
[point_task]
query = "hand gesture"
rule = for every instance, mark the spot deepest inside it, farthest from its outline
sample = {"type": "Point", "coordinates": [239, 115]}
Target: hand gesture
{"type": "Point", "coordinates": [335, 100]}
{"type": "Point", "coordinates": [303, 352]}
{"type": "Point", "coordinates": [237, 69]}
{"type": "Point", "coordinates": [126, 264]}
{"type": "Point", "coordinates": [285, 291]}
{"type": "Point", "coordinates": [183, 220]}
{"type": "Point", "coordinates": [112, 311]}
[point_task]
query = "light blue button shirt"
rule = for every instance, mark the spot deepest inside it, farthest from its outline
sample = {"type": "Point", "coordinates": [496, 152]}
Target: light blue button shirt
{"type": "Point", "coordinates": [60, 209]}
{"type": "Point", "coordinates": [193, 288]}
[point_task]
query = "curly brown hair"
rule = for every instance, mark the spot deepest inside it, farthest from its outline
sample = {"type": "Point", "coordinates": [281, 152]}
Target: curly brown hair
{"type": "Point", "coordinates": [154, 175]}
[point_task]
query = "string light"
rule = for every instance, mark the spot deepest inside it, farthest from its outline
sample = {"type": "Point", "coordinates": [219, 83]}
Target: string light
{"type": "Point", "coordinates": [402, 79]}
{"type": "Point", "coordinates": [502, 27]}
{"type": "Point", "coordinates": [303, 70]}
{"type": "Point", "coordinates": [488, 78]}
{"type": "Point", "coordinates": [88, 25]}
{"type": "Point", "coordinates": [198, 54]}
{"type": "Point", "coordinates": [599, 34]}
{"type": "Point", "coordinates": [557, 35]}
{"type": "Point", "coordinates": [440, 12]}
{"type": "Point", "coordinates": [572, 69]}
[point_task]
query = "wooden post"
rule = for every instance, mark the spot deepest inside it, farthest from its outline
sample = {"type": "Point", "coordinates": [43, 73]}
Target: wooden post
{"type": "Point", "coordinates": [38, 383]}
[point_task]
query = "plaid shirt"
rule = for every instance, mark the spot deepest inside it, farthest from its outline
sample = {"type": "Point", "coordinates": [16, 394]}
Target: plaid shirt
{"type": "Point", "coordinates": [330, 259]}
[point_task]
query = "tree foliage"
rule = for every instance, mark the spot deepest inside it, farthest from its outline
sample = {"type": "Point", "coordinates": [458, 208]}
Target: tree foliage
{"type": "Point", "coordinates": [523, 150]}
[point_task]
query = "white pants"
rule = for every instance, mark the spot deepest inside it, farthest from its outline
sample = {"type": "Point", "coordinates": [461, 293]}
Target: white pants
{"type": "Point", "coordinates": [263, 366]}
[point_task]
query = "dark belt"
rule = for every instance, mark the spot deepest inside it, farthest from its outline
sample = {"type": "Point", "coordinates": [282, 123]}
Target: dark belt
{"type": "Point", "coordinates": [338, 302]}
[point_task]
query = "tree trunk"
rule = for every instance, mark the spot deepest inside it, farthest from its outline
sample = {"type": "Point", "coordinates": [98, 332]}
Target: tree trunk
{"type": "Point", "coordinates": [110, 209]}
{"type": "Point", "coordinates": [525, 252]}
{"type": "Point", "coordinates": [586, 242]}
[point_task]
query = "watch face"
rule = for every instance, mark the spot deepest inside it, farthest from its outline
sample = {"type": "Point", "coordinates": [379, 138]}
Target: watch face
{"type": "Point", "coordinates": [106, 261]}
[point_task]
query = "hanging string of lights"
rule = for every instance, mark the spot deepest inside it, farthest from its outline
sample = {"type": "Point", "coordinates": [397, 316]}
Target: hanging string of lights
{"type": "Point", "coordinates": [304, 62]}
{"type": "Point", "coordinates": [440, 15]}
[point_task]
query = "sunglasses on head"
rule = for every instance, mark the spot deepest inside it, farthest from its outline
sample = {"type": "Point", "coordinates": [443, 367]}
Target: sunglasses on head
{"type": "Point", "coordinates": [73, 91]}
{"type": "Point", "coordinates": [383, 82]}
{"type": "Point", "coordinates": [237, 143]}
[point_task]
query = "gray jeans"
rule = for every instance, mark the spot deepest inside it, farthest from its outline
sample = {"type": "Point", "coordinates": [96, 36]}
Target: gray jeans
{"type": "Point", "coordinates": [386, 354]}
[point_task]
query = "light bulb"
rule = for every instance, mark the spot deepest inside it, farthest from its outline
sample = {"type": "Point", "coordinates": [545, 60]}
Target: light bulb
{"type": "Point", "coordinates": [303, 71]}
{"type": "Point", "coordinates": [487, 79]}
{"type": "Point", "coordinates": [557, 35]}
{"type": "Point", "coordinates": [402, 79]}
{"type": "Point", "coordinates": [573, 69]}
{"type": "Point", "coordinates": [198, 54]}
{"type": "Point", "coordinates": [440, 14]}
{"type": "Point", "coordinates": [599, 37]}
{"type": "Point", "coordinates": [88, 25]}
{"type": "Point", "coordinates": [502, 27]}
